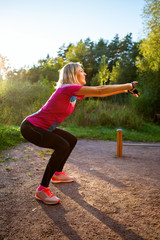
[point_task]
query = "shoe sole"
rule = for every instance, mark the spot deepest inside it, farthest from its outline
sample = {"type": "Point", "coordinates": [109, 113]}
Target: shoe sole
{"type": "Point", "coordinates": [50, 203]}
{"type": "Point", "coordinates": [60, 181]}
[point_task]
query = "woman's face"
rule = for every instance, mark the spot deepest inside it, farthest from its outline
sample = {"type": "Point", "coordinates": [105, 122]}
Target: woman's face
{"type": "Point", "coordinates": [81, 76]}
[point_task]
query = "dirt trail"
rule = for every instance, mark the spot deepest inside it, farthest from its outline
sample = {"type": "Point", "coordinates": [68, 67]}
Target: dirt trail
{"type": "Point", "coordinates": [113, 198]}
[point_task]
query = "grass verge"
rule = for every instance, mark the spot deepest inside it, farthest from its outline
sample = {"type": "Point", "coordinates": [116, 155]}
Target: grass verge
{"type": "Point", "coordinates": [148, 133]}
{"type": "Point", "coordinates": [10, 135]}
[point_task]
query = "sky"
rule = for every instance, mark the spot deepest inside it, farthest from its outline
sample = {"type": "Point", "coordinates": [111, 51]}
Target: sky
{"type": "Point", "coordinates": [31, 29]}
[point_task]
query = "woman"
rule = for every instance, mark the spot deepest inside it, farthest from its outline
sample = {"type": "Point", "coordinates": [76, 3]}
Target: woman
{"type": "Point", "coordinates": [41, 128]}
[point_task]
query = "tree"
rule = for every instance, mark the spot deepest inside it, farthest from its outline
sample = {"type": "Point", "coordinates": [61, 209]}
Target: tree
{"type": "Point", "coordinates": [17, 75]}
{"type": "Point", "coordinates": [114, 52]}
{"type": "Point", "coordinates": [102, 77]}
{"type": "Point", "coordinates": [48, 69]}
{"type": "Point", "coordinates": [151, 15]}
{"type": "Point", "coordinates": [124, 70]}
{"type": "Point", "coordinates": [104, 72]}
{"type": "Point", "coordinates": [83, 53]}
{"type": "Point", "coordinates": [4, 67]}
{"type": "Point", "coordinates": [100, 49]}
{"type": "Point", "coordinates": [63, 50]}
{"type": "Point", "coordinates": [77, 53]}
{"type": "Point", "coordinates": [149, 62]}
{"type": "Point", "coordinates": [33, 74]}
{"type": "Point", "coordinates": [150, 47]}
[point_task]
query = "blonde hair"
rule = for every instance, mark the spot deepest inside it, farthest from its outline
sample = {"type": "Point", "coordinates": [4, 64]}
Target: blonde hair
{"type": "Point", "coordinates": [68, 74]}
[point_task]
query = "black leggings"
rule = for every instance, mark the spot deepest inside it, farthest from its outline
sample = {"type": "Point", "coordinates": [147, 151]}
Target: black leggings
{"type": "Point", "coordinates": [61, 141]}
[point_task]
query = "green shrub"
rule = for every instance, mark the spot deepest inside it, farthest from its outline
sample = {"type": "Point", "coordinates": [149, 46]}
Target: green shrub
{"type": "Point", "coordinates": [149, 100]}
{"type": "Point", "coordinates": [101, 113]}
{"type": "Point", "coordinates": [20, 99]}
{"type": "Point", "coordinates": [10, 136]}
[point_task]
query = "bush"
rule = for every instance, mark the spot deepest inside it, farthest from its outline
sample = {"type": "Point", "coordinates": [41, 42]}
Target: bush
{"type": "Point", "coordinates": [10, 136]}
{"type": "Point", "coordinates": [149, 100]}
{"type": "Point", "coordinates": [20, 99]}
{"type": "Point", "coordinates": [101, 113]}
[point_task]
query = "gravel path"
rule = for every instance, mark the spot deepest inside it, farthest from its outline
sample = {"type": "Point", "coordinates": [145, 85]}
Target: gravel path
{"type": "Point", "coordinates": [113, 198]}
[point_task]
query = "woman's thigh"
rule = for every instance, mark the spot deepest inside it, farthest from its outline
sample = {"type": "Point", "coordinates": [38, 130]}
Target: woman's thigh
{"type": "Point", "coordinates": [43, 138]}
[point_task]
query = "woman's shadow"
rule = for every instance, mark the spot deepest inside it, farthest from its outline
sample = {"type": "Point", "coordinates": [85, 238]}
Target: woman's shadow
{"type": "Point", "coordinates": [57, 214]}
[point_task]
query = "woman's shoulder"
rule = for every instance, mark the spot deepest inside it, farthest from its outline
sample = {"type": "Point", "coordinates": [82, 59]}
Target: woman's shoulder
{"type": "Point", "coordinates": [67, 85]}
{"type": "Point", "coordinates": [70, 89]}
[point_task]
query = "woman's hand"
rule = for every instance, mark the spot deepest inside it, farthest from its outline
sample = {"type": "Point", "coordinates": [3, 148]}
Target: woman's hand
{"type": "Point", "coordinates": [134, 91]}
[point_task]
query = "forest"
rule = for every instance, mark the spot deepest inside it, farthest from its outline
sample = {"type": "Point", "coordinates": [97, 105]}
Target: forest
{"type": "Point", "coordinates": [23, 91]}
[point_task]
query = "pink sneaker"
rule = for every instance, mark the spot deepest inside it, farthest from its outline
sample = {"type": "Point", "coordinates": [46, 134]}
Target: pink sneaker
{"type": "Point", "coordinates": [61, 178]}
{"type": "Point", "coordinates": [46, 196]}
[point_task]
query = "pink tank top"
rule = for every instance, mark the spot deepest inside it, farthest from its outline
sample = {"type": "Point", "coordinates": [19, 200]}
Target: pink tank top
{"type": "Point", "coordinates": [60, 105]}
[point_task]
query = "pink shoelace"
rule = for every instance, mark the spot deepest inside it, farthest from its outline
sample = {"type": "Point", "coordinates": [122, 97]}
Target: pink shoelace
{"type": "Point", "coordinates": [48, 192]}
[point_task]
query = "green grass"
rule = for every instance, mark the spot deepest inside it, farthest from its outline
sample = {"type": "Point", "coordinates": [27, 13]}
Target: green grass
{"type": "Point", "coordinates": [148, 133]}
{"type": "Point", "coordinates": [10, 135]}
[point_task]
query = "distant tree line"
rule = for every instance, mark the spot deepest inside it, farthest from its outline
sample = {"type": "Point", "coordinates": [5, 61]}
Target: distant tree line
{"type": "Point", "coordinates": [103, 62]}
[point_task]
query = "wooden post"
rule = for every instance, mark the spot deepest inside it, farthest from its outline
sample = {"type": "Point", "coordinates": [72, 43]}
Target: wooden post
{"type": "Point", "coordinates": [119, 142]}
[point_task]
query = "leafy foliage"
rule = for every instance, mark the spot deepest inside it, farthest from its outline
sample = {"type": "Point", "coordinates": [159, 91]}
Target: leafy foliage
{"type": "Point", "coordinates": [9, 136]}
{"type": "Point", "coordinates": [19, 100]}
{"type": "Point", "coordinates": [149, 62]}
{"type": "Point", "coordinates": [103, 75]}
{"type": "Point", "coordinates": [101, 113]}
{"type": "Point", "coordinates": [3, 67]}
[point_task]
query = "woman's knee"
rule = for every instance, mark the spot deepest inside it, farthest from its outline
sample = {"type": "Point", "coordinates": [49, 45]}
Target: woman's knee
{"type": "Point", "coordinates": [74, 141]}
{"type": "Point", "coordinates": [62, 148]}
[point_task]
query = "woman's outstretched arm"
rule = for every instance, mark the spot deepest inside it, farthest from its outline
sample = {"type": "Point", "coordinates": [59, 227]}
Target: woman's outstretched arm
{"type": "Point", "coordinates": [104, 90]}
{"type": "Point", "coordinates": [113, 93]}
